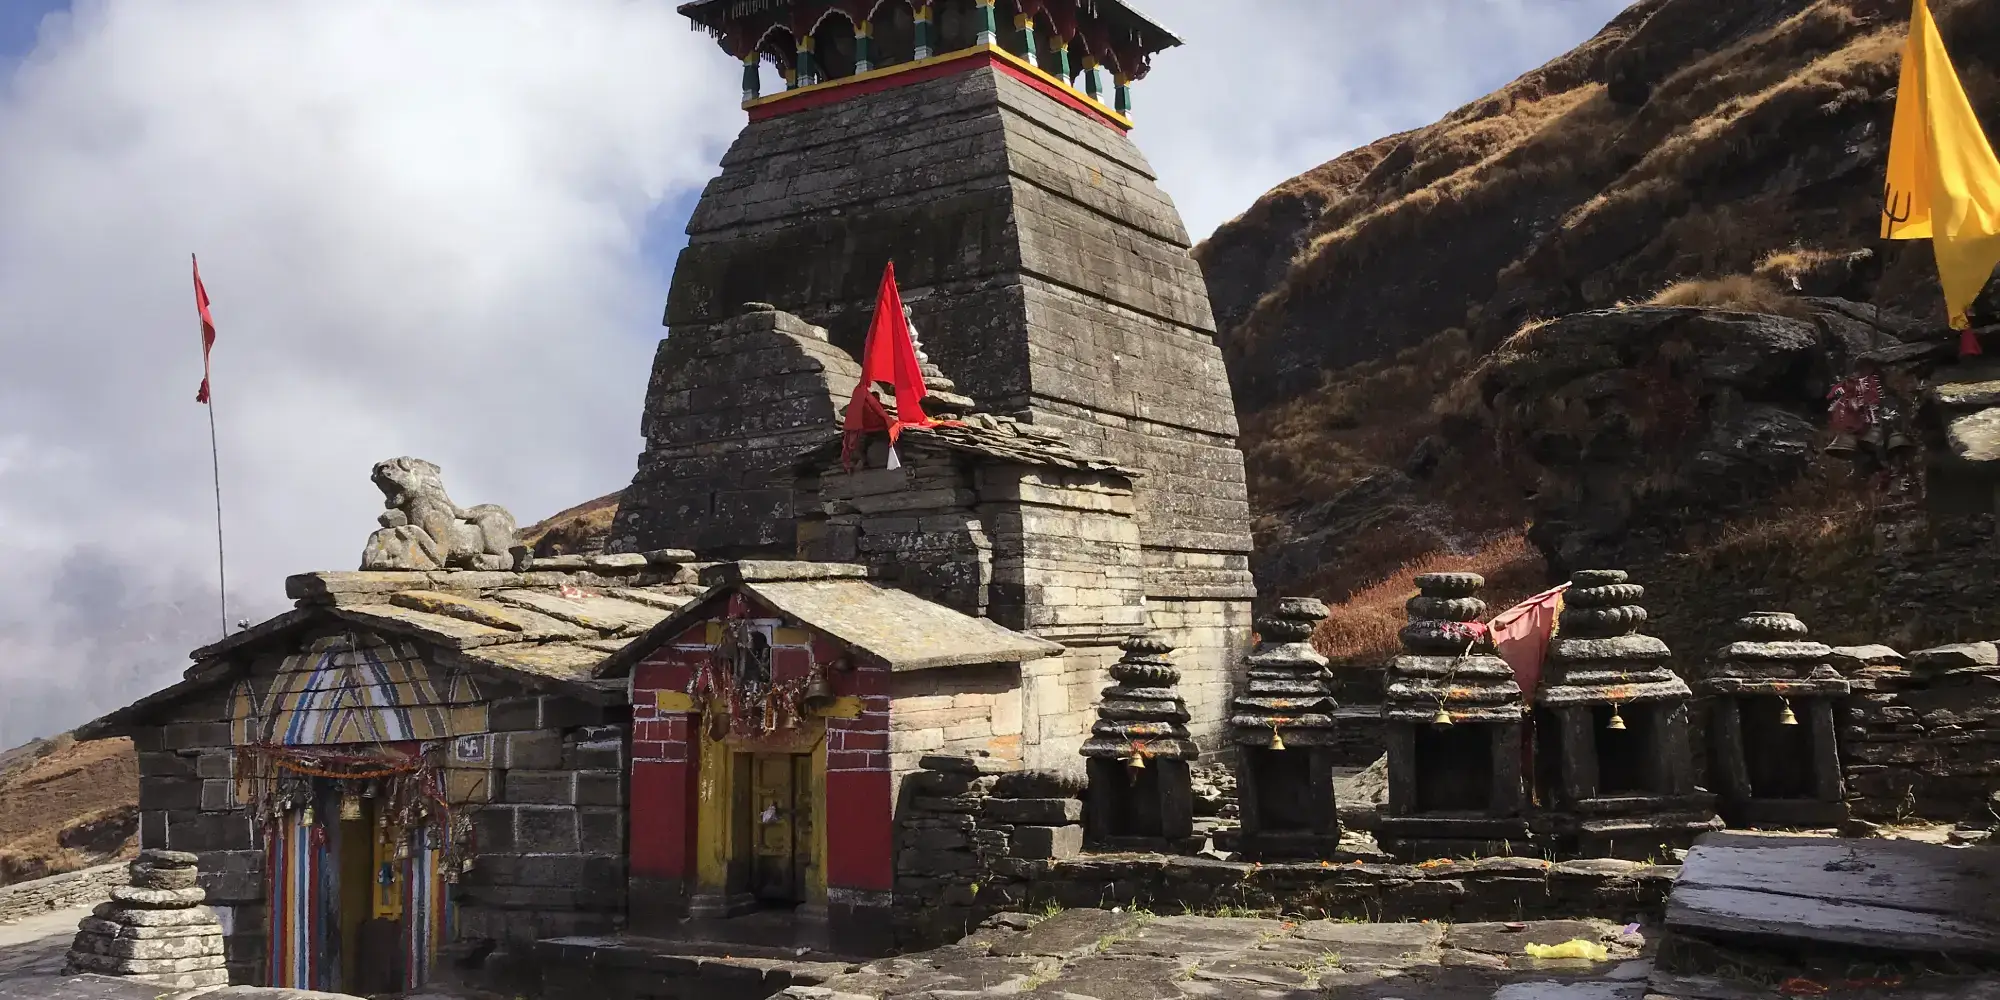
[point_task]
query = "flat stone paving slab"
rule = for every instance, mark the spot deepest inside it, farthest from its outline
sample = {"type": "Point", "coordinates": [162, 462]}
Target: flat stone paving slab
{"type": "Point", "coordinates": [1122, 955]}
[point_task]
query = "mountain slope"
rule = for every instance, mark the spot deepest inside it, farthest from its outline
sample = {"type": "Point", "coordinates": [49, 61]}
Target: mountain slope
{"type": "Point", "coordinates": [1694, 152]}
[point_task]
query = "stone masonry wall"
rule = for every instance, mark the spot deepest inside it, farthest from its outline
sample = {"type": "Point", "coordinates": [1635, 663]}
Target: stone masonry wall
{"type": "Point", "coordinates": [59, 892]}
{"type": "Point", "coordinates": [551, 837]}
{"type": "Point", "coordinates": [1051, 275]}
{"type": "Point", "coordinates": [1923, 743]}
{"type": "Point", "coordinates": [727, 415]}
{"type": "Point", "coordinates": [918, 524]}
{"type": "Point", "coordinates": [957, 710]}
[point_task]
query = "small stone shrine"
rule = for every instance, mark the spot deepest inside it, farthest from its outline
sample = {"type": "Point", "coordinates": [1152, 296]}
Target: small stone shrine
{"type": "Point", "coordinates": [1137, 757]}
{"type": "Point", "coordinates": [1284, 730]}
{"type": "Point", "coordinates": [155, 930]}
{"type": "Point", "coordinates": [1773, 751]}
{"type": "Point", "coordinates": [1452, 716]}
{"type": "Point", "coordinates": [1614, 769]}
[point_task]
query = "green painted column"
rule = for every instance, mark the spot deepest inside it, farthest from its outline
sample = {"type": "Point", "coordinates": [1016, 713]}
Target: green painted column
{"type": "Point", "coordinates": [1026, 26]}
{"type": "Point", "coordinates": [808, 67]}
{"type": "Point", "coordinates": [1093, 81]}
{"type": "Point", "coordinates": [1063, 70]}
{"type": "Point", "coordinates": [750, 82]}
{"type": "Point", "coordinates": [989, 29]}
{"type": "Point", "coordinates": [864, 39]}
{"type": "Point", "coordinates": [1124, 101]}
{"type": "Point", "coordinates": [924, 31]}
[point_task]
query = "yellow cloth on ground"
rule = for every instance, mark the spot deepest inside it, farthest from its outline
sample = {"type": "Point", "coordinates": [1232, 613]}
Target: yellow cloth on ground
{"type": "Point", "coordinates": [1944, 183]}
{"type": "Point", "coordinates": [1574, 948]}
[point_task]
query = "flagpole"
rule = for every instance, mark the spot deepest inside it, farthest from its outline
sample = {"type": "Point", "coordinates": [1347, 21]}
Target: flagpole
{"type": "Point", "coordinates": [221, 565]}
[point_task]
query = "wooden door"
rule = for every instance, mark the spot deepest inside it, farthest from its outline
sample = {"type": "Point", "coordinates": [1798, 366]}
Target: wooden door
{"type": "Point", "coordinates": [774, 876]}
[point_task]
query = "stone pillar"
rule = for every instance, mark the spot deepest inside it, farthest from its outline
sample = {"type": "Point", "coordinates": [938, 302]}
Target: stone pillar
{"type": "Point", "coordinates": [989, 28]}
{"type": "Point", "coordinates": [924, 38]}
{"type": "Point", "coordinates": [154, 931]}
{"type": "Point", "coordinates": [1141, 793]}
{"type": "Point", "coordinates": [1283, 728]}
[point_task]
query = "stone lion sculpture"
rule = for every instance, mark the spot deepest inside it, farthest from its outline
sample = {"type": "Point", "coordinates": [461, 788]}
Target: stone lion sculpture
{"type": "Point", "coordinates": [423, 530]}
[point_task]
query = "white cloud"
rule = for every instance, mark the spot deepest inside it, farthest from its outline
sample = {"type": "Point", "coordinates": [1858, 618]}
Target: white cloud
{"type": "Point", "coordinates": [421, 223]}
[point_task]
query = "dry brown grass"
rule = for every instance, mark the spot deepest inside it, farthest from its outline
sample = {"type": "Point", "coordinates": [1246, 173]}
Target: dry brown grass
{"type": "Point", "coordinates": [68, 806]}
{"type": "Point", "coordinates": [581, 528]}
{"type": "Point", "coordinates": [1742, 293]}
{"type": "Point", "coordinates": [1362, 630]}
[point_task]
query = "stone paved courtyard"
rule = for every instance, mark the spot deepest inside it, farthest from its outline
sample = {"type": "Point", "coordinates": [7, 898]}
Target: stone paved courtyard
{"type": "Point", "coordinates": [1117, 955]}
{"type": "Point", "coordinates": [35, 946]}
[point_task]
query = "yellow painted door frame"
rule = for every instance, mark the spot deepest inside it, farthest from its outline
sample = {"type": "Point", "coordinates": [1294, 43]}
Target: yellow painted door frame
{"type": "Point", "coordinates": [725, 833]}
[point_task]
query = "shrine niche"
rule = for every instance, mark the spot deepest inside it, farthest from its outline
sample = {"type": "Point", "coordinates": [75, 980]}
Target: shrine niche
{"type": "Point", "coordinates": [1452, 715]}
{"type": "Point", "coordinates": [1283, 728]}
{"type": "Point", "coordinates": [1141, 793]}
{"type": "Point", "coordinates": [763, 710]}
{"type": "Point", "coordinates": [1773, 750]}
{"type": "Point", "coordinates": [1613, 765]}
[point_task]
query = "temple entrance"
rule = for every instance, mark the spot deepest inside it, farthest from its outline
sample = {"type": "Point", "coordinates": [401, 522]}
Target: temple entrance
{"type": "Point", "coordinates": [1627, 757]}
{"type": "Point", "coordinates": [781, 817]}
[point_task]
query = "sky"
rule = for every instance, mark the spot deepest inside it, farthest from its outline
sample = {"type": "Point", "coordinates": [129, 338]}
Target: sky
{"type": "Point", "coordinates": [445, 228]}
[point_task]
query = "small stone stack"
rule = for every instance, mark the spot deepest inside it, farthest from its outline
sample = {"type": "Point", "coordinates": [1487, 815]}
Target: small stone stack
{"type": "Point", "coordinates": [1138, 754]}
{"type": "Point", "coordinates": [156, 930]}
{"type": "Point", "coordinates": [1623, 782]}
{"type": "Point", "coordinates": [1882, 738]}
{"type": "Point", "coordinates": [1452, 716]}
{"type": "Point", "coordinates": [1284, 727]}
{"type": "Point", "coordinates": [1773, 668]}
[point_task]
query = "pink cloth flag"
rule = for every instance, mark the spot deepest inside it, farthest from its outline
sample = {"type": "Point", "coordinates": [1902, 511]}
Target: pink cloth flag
{"type": "Point", "coordinates": [1521, 636]}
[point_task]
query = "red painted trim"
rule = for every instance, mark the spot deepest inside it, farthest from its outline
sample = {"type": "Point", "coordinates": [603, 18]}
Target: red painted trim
{"type": "Point", "coordinates": [970, 62]}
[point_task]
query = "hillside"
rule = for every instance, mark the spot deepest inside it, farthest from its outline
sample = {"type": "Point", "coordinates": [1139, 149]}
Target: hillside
{"type": "Point", "coordinates": [1693, 153]}
{"type": "Point", "coordinates": [66, 805]}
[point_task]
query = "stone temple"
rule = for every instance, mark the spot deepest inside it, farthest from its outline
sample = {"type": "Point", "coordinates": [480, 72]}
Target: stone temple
{"type": "Point", "coordinates": [1049, 274]}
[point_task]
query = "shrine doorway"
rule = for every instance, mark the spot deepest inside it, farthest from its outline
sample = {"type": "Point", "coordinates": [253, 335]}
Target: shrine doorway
{"type": "Point", "coordinates": [781, 802]}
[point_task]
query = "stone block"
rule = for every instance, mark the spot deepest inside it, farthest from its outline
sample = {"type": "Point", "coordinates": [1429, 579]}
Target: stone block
{"type": "Point", "coordinates": [506, 715]}
{"type": "Point", "coordinates": [218, 794]}
{"type": "Point", "coordinates": [1036, 843]}
{"type": "Point", "coordinates": [600, 788]}
{"type": "Point", "coordinates": [1044, 812]}
{"type": "Point", "coordinates": [167, 764]}
{"type": "Point", "coordinates": [601, 831]}
{"type": "Point", "coordinates": [545, 829]}
{"type": "Point", "coordinates": [195, 735]}
{"type": "Point", "coordinates": [170, 793]}
{"type": "Point", "coordinates": [538, 750]}
{"type": "Point", "coordinates": [528, 787]}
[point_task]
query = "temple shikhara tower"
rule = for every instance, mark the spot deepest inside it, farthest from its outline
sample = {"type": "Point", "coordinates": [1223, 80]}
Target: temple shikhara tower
{"type": "Point", "coordinates": [983, 148]}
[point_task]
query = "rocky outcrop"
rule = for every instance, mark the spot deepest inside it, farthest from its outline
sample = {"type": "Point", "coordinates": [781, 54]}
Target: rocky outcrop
{"type": "Point", "coordinates": [1640, 425]}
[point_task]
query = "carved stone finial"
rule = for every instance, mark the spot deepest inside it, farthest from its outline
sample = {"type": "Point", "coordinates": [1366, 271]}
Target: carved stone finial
{"type": "Point", "coordinates": [423, 530]}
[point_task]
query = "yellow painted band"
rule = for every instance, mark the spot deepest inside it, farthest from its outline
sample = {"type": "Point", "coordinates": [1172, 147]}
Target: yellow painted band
{"type": "Point", "coordinates": [676, 701]}
{"type": "Point", "coordinates": [843, 708]}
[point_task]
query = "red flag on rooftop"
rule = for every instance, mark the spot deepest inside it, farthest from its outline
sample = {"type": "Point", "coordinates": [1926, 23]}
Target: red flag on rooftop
{"type": "Point", "coordinates": [889, 356]}
{"type": "Point", "coordinates": [207, 329]}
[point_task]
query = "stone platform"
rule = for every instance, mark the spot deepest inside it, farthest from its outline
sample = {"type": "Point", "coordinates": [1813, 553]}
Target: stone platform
{"type": "Point", "coordinates": [1137, 955]}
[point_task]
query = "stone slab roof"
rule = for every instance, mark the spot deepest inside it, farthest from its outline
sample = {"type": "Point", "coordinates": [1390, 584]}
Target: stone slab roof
{"type": "Point", "coordinates": [883, 625]}
{"type": "Point", "coordinates": [544, 629]}
{"type": "Point", "coordinates": [986, 435]}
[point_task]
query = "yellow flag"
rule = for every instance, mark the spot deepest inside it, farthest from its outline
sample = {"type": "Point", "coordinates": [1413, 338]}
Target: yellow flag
{"type": "Point", "coordinates": [1944, 183]}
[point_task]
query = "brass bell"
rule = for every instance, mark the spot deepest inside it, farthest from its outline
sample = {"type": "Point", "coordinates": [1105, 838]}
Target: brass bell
{"type": "Point", "coordinates": [1843, 446]}
{"type": "Point", "coordinates": [1277, 741]}
{"type": "Point", "coordinates": [1900, 443]}
{"type": "Point", "coordinates": [1617, 721]}
{"type": "Point", "coordinates": [1137, 763]}
{"type": "Point", "coordinates": [1787, 717]}
{"type": "Point", "coordinates": [1443, 718]}
{"type": "Point", "coordinates": [818, 694]}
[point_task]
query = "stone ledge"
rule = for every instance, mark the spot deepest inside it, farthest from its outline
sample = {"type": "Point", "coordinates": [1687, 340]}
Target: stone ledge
{"type": "Point", "coordinates": [57, 892]}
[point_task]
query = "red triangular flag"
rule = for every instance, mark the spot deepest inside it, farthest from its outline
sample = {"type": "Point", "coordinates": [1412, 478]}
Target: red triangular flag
{"type": "Point", "coordinates": [1968, 344]}
{"type": "Point", "coordinates": [888, 356]}
{"type": "Point", "coordinates": [207, 329]}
